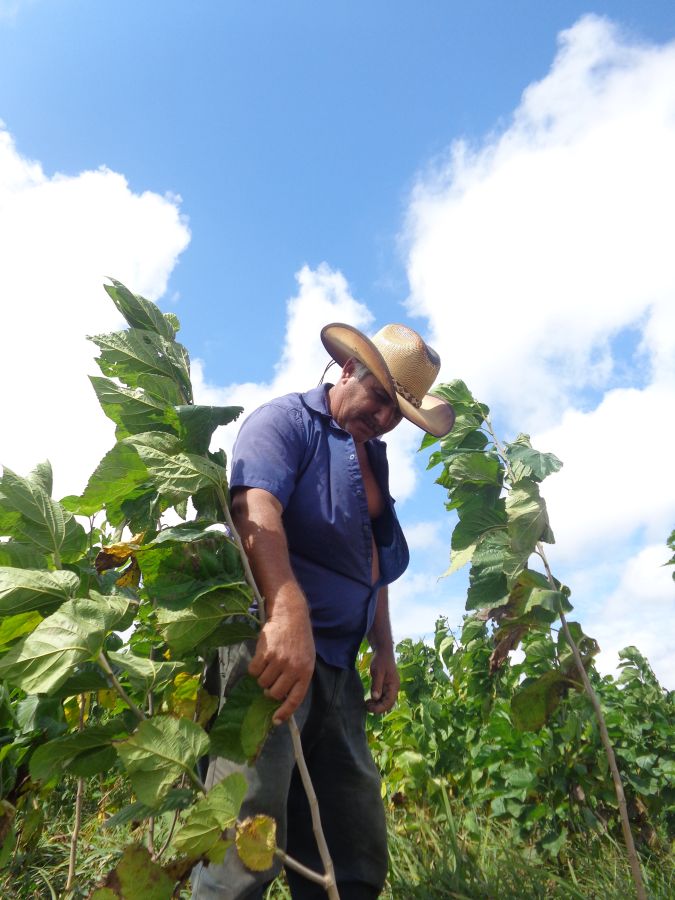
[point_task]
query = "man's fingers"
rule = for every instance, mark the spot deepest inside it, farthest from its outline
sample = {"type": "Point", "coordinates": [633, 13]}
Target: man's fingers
{"type": "Point", "coordinates": [291, 703]}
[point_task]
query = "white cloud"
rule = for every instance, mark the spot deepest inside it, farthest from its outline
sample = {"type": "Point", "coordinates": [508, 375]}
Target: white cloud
{"type": "Point", "coordinates": [425, 537]}
{"type": "Point", "coordinates": [61, 235]}
{"type": "Point", "coordinates": [418, 599]}
{"type": "Point", "coordinates": [323, 296]}
{"type": "Point", "coordinates": [542, 261]}
{"type": "Point", "coordinates": [639, 613]}
{"type": "Point", "coordinates": [616, 485]}
{"type": "Point", "coordinates": [530, 254]}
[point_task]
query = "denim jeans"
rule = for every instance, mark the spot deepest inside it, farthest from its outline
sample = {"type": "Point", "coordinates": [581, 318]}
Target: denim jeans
{"type": "Point", "coordinates": [331, 720]}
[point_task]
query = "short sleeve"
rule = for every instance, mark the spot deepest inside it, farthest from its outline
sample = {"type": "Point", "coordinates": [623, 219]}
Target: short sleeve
{"type": "Point", "coordinates": [269, 451]}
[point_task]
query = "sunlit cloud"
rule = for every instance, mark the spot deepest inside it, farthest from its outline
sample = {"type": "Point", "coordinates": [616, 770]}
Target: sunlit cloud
{"type": "Point", "coordinates": [61, 235]}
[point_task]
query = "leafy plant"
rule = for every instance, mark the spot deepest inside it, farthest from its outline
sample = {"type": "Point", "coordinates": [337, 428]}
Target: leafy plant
{"type": "Point", "coordinates": [106, 633]}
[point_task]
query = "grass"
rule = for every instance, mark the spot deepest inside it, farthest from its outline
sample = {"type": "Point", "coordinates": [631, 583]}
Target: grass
{"type": "Point", "coordinates": [432, 855]}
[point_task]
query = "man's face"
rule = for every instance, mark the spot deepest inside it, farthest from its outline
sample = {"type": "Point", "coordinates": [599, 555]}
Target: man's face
{"type": "Point", "coordinates": [363, 408]}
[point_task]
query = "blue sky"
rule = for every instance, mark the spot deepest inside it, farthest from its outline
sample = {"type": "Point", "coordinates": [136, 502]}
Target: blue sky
{"type": "Point", "coordinates": [497, 174]}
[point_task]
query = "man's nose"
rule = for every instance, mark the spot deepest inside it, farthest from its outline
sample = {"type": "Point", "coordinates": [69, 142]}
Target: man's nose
{"type": "Point", "coordinates": [385, 417]}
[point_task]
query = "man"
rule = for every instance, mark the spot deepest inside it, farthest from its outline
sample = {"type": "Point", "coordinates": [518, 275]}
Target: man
{"type": "Point", "coordinates": [310, 499]}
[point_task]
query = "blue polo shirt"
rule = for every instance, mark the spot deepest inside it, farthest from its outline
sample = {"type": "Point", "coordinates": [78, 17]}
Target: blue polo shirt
{"type": "Point", "coordinates": [294, 449]}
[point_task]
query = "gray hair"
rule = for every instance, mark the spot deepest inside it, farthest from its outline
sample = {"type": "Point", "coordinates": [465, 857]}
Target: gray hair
{"type": "Point", "coordinates": [360, 370]}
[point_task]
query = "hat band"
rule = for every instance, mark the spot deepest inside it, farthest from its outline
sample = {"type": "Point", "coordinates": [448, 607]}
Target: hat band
{"type": "Point", "coordinates": [406, 394]}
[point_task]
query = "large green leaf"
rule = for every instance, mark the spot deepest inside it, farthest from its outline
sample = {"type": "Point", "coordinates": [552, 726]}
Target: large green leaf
{"type": "Point", "coordinates": [201, 834]}
{"type": "Point", "coordinates": [25, 590]}
{"type": "Point", "coordinates": [22, 555]}
{"type": "Point", "coordinates": [129, 355]}
{"type": "Point", "coordinates": [176, 799]}
{"type": "Point", "coordinates": [79, 753]}
{"type": "Point", "coordinates": [527, 517]}
{"type": "Point", "coordinates": [159, 752]}
{"type": "Point", "coordinates": [243, 723]}
{"type": "Point", "coordinates": [185, 563]}
{"type": "Point", "coordinates": [43, 660]}
{"type": "Point", "coordinates": [139, 312]}
{"type": "Point", "coordinates": [134, 410]}
{"type": "Point", "coordinates": [477, 519]}
{"type": "Point", "coordinates": [533, 705]}
{"type": "Point", "coordinates": [116, 478]}
{"type": "Point", "coordinates": [136, 877]}
{"type": "Point", "coordinates": [14, 627]}
{"type": "Point", "coordinates": [476, 467]}
{"type": "Point", "coordinates": [175, 474]}
{"type": "Point", "coordinates": [528, 463]}
{"type": "Point", "coordinates": [199, 422]}
{"type": "Point", "coordinates": [143, 673]}
{"type": "Point", "coordinates": [201, 625]}
{"type": "Point", "coordinates": [42, 522]}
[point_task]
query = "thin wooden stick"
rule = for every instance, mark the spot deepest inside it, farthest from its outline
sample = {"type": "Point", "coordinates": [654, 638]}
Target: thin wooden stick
{"type": "Point", "coordinates": [633, 858]}
{"type": "Point", "coordinates": [330, 885]}
{"type": "Point", "coordinates": [79, 797]}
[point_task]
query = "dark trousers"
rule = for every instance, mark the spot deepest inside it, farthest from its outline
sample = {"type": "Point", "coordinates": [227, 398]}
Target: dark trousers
{"type": "Point", "coordinates": [332, 723]}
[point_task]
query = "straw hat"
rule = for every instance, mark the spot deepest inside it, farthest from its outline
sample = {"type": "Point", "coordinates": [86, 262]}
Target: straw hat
{"type": "Point", "coordinates": [403, 364]}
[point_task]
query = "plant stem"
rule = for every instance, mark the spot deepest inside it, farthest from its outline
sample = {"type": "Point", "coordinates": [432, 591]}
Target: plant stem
{"type": "Point", "coordinates": [105, 665]}
{"type": "Point", "coordinates": [606, 742]}
{"type": "Point", "coordinates": [310, 874]}
{"type": "Point", "coordinates": [331, 888]}
{"type": "Point", "coordinates": [328, 880]}
{"type": "Point", "coordinates": [79, 797]}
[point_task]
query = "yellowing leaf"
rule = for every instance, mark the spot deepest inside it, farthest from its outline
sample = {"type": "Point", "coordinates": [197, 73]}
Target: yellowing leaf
{"type": "Point", "coordinates": [256, 842]}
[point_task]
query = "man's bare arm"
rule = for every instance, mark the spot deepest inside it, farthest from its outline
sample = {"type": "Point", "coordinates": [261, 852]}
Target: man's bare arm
{"type": "Point", "coordinates": [384, 676]}
{"type": "Point", "coordinates": [284, 659]}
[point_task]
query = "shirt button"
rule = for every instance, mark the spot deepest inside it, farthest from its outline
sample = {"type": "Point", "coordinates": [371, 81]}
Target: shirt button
{"type": "Point", "coordinates": [351, 456]}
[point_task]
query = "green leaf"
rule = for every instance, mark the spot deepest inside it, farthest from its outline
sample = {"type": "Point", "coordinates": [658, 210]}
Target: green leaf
{"type": "Point", "coordinates": [533, 705]}
{"type": "Point", "coordinates": [459, 558]}
{"type": "Point", "coordinates": [116, 478]}
{"type": "Point", "coordinates": [197, 424]}
{"type": "Point", "coordinates": [175, 474]}
{"type": "Point", "coordinates": [476, 467]}
{"type": "Point", "coordinates": [555, 601]}
{"type": "Point", "coordinates": [139, 312]}
{"type": "Point", "coordinates": [14, 627]}
{"type": "Point", "coordinates": [26, 590]}
{"type": "Point", "coordinates": [75, 753]}
{"type": "Point", "coordinates": [143, 673]}
{"type": "Point", "coordinates": [176, 799]}
{"type": "Point", "coordinates": [243, 723]}
{"type": "Point", "coordinates": [210, 816]}
{"type": "Point", "coordinates": [42, 521]}
{"type": "Point", "coordinates": [528, 463]}
{"type": "Point", "coordinates": [493, 568]}
{"type": "Point", "coordinates": [475, 520]}
{"type": "Point", "coordinates": [201, 625]}
{"type": "Point", "coordinates": [136, 877]}
{"type": "Point", "coordinates": [43, 660]}
{"type": "Point", "coordinates": [527, 517]}
{"type": "Point", "coordinates": [134, 411]}
{"type": "Point", "coordinates": [130, 355]}
{"type": "Point", "coordinates": [178, 571]}
{"type": "Point", "coordinates": [159, 752]}
{"type": "Point", "coordinates": [22, 556]}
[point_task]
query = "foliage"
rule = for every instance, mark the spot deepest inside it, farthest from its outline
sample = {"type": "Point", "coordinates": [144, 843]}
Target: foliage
{"type": "Point", "coordinates": [106, 632]}
{"type": "Point", "coordinates": [452, 732]}
{"type": "Point", "coordinates": [516, 743]}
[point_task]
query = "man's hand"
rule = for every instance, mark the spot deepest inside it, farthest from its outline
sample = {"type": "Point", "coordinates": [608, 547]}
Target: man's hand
{"type": "Point", "coordinates": [284, 660]}
{"type": "Point", "coordinates": [385, 681]}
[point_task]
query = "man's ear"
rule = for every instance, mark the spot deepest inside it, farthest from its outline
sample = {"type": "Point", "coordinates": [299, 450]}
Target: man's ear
{"type": "Point", "coordinates": [348, 368]}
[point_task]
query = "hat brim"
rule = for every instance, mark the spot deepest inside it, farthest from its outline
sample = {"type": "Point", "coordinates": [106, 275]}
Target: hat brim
{"type": "Point", "coordinates": [343, 342]}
